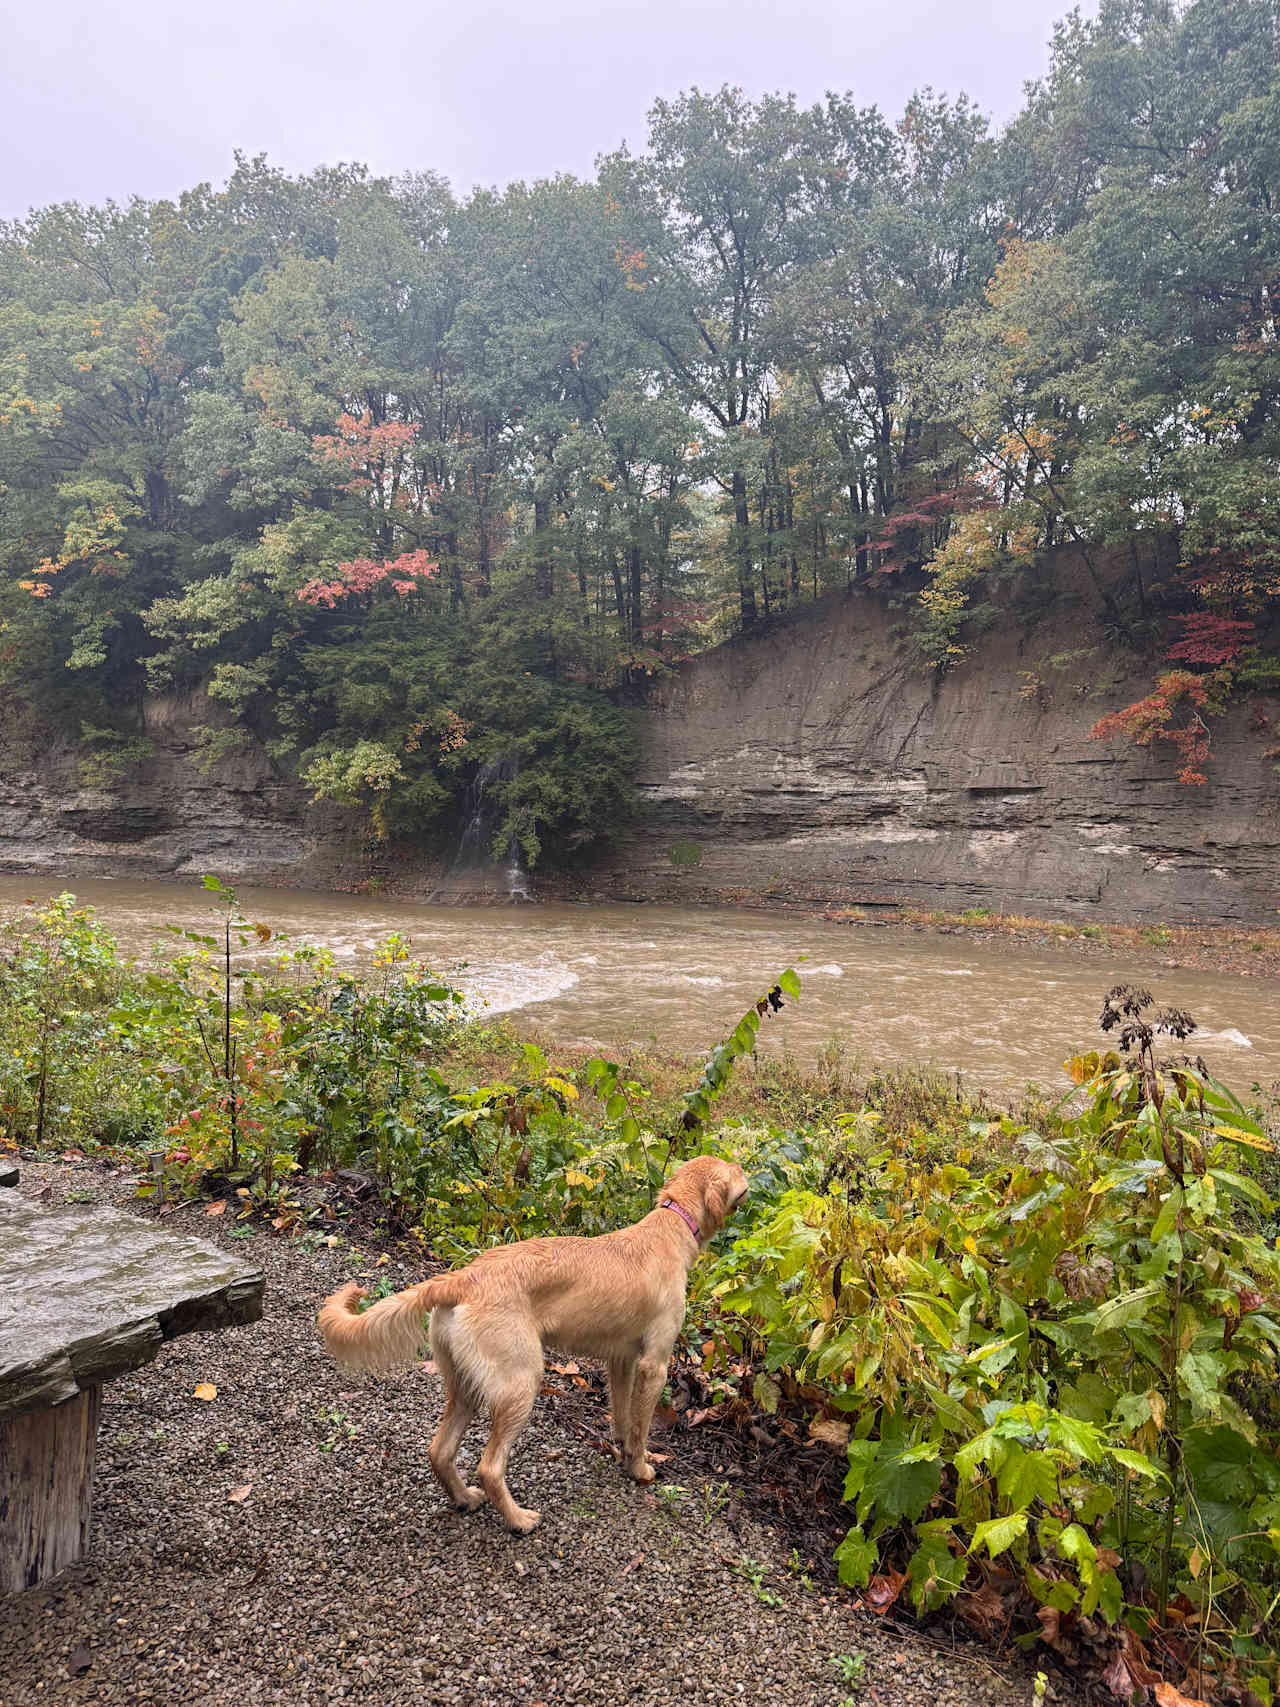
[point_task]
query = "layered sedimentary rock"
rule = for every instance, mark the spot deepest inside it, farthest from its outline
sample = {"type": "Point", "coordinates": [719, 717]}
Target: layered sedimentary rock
{"type": "Point", "coordinates": [819, 762]}
{"type": "Point", "coordinates": [164, 816]}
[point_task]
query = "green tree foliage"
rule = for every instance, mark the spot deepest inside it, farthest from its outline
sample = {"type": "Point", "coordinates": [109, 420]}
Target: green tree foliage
{"type": "Point", "coordinates": [412, 486]}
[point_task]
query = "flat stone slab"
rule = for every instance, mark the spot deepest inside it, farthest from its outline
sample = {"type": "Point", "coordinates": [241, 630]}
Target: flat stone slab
{"type": "Point", "coordinates": [91, 1292]}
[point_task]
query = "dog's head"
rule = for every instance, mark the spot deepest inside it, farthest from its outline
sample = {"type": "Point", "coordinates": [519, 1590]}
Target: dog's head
{"type": "Point", "coordinates": [710, 1189]}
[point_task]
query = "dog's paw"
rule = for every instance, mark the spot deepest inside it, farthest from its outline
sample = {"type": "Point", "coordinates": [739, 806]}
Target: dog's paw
{"type": "Point", "coordinates": [472, 1499]}
{"type": "Point", "coordinates": [643, 1471]}
{"type": "Point", "coordinates": [523, 1520]}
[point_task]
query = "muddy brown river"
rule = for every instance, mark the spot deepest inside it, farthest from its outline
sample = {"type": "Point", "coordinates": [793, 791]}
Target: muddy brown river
{"type": "Point", "coordinates": [999, 1013]}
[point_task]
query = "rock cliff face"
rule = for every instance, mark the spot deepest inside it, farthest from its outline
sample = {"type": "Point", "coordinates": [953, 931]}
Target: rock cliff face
{"type": "Point", "coordinates": [816, 762]}
{"type": "Point", "coordinates": [819, 763]}
{"type": "Point", "coordinates": [165, 817]}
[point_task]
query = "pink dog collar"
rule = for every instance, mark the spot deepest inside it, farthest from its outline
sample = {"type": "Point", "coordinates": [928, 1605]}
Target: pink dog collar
{"type": "Point", "coordinates": [683, 1213]}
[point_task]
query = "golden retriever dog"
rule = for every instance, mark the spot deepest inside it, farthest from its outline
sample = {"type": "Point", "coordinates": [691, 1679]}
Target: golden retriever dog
{"type": "Point", "coordinates": [620, 1297]}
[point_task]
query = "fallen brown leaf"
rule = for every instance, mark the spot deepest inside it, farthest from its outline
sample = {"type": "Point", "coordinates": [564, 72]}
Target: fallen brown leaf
{"type": "Point", "coordinates": [1119, 1679]}
{"type": "Point", "coordinates": [881, 1592]}
{"type": "Point", "coordinates": [1168, 1696]}
{"type": "Point", "coordinates": [831, 1431]}
{"type": "Point", "coordinates": [565, 1369]}
{"type": "Point", "coordinates": [205, 1390]}
{"type": "Point", "coordinates": [1135, 1657]}
{"type": "Point", "coordinates": [983, 1610]}
{"type": "Point", "coordinates": [1050, 1625]}
{"type": "Point", "coordinates": [218, 1208]}
{"type": "Point", "coordinates": [238, 1496]}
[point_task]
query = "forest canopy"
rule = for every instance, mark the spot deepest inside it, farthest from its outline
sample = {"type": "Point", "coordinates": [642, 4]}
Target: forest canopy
{"type": "Point", "coordinates": [414, 486]}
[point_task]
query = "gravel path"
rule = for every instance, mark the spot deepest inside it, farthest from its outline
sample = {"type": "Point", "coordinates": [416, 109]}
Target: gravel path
{"type": "Point", "coordinates": [342, 1576]}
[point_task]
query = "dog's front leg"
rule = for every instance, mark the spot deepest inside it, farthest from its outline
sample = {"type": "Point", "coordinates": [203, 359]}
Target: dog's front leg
{"type": "Point", "coordinates": [647, 1382]}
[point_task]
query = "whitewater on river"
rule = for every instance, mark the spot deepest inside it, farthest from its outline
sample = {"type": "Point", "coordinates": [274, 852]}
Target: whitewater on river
{"type": "Point", "coordinates": [1001, 1013]}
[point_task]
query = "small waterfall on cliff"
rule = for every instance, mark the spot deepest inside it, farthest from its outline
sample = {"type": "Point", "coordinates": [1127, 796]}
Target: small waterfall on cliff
{"type": "Point", "coordinates": [476, 856]}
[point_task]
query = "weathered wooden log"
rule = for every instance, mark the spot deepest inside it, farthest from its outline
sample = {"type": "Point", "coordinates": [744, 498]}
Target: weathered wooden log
{"type": "Point", "coordinates": [46, 1489]}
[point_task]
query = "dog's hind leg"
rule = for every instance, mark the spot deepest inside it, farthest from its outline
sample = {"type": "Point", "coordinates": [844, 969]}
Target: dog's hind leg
{"type": "Point", "coordinates": [460, 1407]}
{"type": "Point", "coordinates": [646, 1388]}
{"type": "Point", "coordinates": [621, 1372]}
{"type": "Point", "coordinates": [503, 1357]}
{"type": "Point", "coordinates": [459, 1410]}
{"type": "Point", "coordinates": [511, 1412]}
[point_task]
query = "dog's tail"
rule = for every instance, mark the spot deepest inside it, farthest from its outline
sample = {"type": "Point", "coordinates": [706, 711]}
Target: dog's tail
{"type": "Point", "coordinates": [389, 1334]}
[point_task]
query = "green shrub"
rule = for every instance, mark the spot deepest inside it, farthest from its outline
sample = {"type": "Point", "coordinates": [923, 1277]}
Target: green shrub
{"type": "Point", "coordinates": [1068, 1364]}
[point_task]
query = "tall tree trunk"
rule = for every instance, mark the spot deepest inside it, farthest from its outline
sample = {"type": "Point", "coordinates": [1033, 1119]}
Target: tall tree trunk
{"type": "Point", "coordinates": [543, 567]}
{"type": "Point", "coordinates": [789, 522]}
{"type": "Point", "coordinates": [619, 592]}
{"type": "Point", "coordinates": [455, 570]}
{"type": "Point", "coordinates": [635, 563]}
{"type": "Point", "coordinates": [742, 544]}
{"type": "Point", "coordinates": [482, 563]}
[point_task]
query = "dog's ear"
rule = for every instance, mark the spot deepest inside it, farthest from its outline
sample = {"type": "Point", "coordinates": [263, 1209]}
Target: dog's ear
{"type": "Point", "coordinates": [716, 1200]}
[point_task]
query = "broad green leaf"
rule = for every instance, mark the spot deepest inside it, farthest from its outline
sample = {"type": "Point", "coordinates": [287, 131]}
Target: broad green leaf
{"type": "Point", "coordinates": [1075, 1544]}
{"type": "Point", "coordinates": [862, 1455]}
{"type": "Point", "coordinates": [902, 1488]}
{"type": "Point", "coordinates": [1080, 1439]}
{"type": "Point", "coordinates": [998, 1534]}
{"type": "Point", "coordinates": [973, 1453]}
{"type": "Point", "coordinates": [1243, 1187]}
{"type": "Point", "coordinates": [1128, 1307]}
{"type": "Point", "coordinates": [1110, 1592]}
{"type": "Point", "coordinates": [1169, 1210]}
{"type": "Point", "coordinates": [935, 1573]}
{"type": "Point", "coordinates": [1137, 1461]}
{"type": "Point", "coordinates": [1025, 1477]}
{"type": "Point", "coordinates": [856, 1557]}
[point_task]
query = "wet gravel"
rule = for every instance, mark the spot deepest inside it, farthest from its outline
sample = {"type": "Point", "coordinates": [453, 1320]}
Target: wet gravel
{"type": "Point", "coordinates": [342, 1575]}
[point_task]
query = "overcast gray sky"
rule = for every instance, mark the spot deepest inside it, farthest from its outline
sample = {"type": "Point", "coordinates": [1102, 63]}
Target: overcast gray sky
{"type": "Point", "coordinates": [147, 97]}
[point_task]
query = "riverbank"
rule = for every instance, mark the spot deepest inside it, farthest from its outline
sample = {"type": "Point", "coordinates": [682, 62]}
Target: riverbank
{"type": "Point", "coordinates": [1244, 953]}
{"type": "Point", "coordinates": [1247, 951]}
